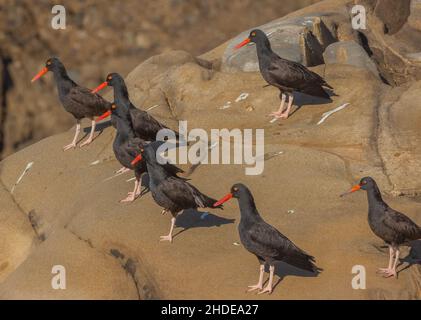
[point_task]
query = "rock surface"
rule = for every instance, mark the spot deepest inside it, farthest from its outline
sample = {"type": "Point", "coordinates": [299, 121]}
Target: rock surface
{"type": "Point", "coordinates": [350, 53]}
{"type": "Point", "coordinates": [393, 38]}
{"type": "Point", "coordinates": [66, 212]}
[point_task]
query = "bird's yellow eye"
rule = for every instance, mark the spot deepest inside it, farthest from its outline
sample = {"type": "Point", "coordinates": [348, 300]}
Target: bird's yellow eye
{"type": "Point", "coordinates": [141, 150]}
{"type": "Point", "coordinates": [235, 189]}
{"type": "Point", "coordinates": [110, 77]}
{"type": "Point", "coordinates": [253, 34]}
{"type": "Point", "coordinates": [113, 106]}
{"type": "Point", "coordinates": [48, 62]}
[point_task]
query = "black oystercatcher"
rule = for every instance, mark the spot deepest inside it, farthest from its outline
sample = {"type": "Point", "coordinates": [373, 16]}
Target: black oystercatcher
{"type": "Point", "coordinates": [126, 147]}
{"type": "Point", "coordinates": [169, 191]}
{"type": "Point", "coordinates": [145, 126]}
{"type": "Point", "coordinates": [78, 101]}
{"type": "Point", "coordinates": [264, 241]}
{"type": "Point", "coordinates": [286, 75]}
{"type": "Point", "coordinates": [391, 226]}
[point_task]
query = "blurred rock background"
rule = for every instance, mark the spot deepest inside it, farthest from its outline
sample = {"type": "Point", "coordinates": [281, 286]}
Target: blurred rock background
{"type": "Point", "coordinates": [103, 36]}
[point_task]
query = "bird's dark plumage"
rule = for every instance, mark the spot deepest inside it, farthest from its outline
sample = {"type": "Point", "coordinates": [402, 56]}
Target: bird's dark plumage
{"type": "Point", "coordinates": [169, 191]}
{"type": "Point", "coordinates": [263, 240]}
{"type": "Point", "coordinates": [127, 146]}
{"type": "Point", "coordinates": [284, 74]}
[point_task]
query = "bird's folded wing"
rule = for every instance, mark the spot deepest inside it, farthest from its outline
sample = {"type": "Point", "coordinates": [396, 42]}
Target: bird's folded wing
{"type": "Point", "coordinates": [293, 73]}
{"type": "Point", "coordinates": [84, 97]}
{"type": "Point", "coordinates": [270, 242]}
{"type": "Point", "coordinates": [185, 194]}
{"type": "Point", "coordinates": [400, 223]}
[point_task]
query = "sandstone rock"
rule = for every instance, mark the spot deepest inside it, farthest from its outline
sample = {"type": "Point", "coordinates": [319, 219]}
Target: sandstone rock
{"type": "Point", "coordinates": [394, 42]}
{"type": "Point", "coordinates": [349, 52]}
{"type": "Point", "coordinates": [400, 140]}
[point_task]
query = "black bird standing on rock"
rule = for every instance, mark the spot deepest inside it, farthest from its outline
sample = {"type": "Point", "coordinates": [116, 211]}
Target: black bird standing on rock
{"type": "Point", "coordinates": [264, 241]}
{"type": "Point", "coordinates": [169, 191]}
{"type": "Point", "coordinates": [126, 147]}
{"type": "Point", "coordinates": [391, 226]}
{"type": "Point", "coordinates": [286, 75]}
{"type": "Point", "coordinates": [145, 126]}
{"type": "Point", "coordinates": [78, 101]}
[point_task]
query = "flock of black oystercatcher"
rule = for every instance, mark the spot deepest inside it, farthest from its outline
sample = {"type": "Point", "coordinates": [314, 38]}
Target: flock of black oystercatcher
{"type": "Point", "coordinates": [135, 147]}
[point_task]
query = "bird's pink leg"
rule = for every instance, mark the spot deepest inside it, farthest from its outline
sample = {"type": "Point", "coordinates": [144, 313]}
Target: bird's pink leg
{"type": "Point", "coordinates": [259, 285]}
{"type": "Point", "coordinates": [281, 107]}
{"type": "Point", "coordinates": [169, 236]}
{"type": "Point", "coordinates": [391, 256]}
{"type": "Point", "coordinates": [285, 114]}
{"type": "Point", "coordinates": [268, 288]}
{"type": "Point", "coordinates": [73, 144]}
{"type": "Point", "coordinates": [91, 135]}
{"type": "Point", "coordinates": [390, 271]}
{"type": "Point", "coordinates": [131, 196]}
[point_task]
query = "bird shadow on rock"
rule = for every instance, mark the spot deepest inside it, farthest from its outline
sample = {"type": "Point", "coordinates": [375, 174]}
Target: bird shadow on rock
{"type": "Point", "coordinates": [413, 257]}
{"type": "Point", "coordinates": [195, 219]}
{"type": "Point", "coordinates": [98, 128]}
{"type": "Point", "coordinates": [283, 269]}
{"type": "Point", "coordinates": [301, 99]}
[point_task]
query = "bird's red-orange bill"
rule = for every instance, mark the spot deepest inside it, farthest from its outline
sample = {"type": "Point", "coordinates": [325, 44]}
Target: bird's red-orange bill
{"type": "Point", "coordinates": [100, 87]}
{"type": "Point", "coordinates": [103, 116]}
{"type": "Point", "coordinates": [136, 160]}
{"type": "Point", "coordinates": [353, 189]}
{"type": "Point", "coordinates": [222, 200]}
{"type": "Point", "coordinates": [40, 74]}
{"type": "Point", "coordinates": [242, 44]}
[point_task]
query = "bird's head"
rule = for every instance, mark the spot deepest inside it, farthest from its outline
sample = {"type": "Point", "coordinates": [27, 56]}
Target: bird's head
{"type": "Point", "coordinates": [111, 80]}
{"type": "Point", "coordinates": [51, 64]}
{"type": "Point", "coordinates": [255, 36]}
{"type": "Point", "coordinates": [139, 157]}
{"type": "Point", "coordinates": [365, 184]}
{"type": "Point", "coordinates": [237, 190]}
{"type": "Point", "coordinates": [151, 153]}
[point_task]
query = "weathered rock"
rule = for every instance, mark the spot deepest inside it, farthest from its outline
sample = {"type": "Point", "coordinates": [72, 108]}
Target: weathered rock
{"type": "Point", "coordinates": [394, 43]}
{"type": "Point", "coordinates": [351, 53]}
{"type": "Point", "coordinates": [394, 14]}
{"type": "Point", "coordinates": [400, 139]}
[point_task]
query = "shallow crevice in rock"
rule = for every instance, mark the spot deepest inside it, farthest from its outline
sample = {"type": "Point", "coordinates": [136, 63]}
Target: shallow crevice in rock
{"type": "Point", "coordinates": [36, 224]}
{"type": "Point", "coordinates": [145, 290]}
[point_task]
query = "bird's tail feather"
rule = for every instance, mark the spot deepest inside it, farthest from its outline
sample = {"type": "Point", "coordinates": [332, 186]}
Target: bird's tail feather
{"type": "Point", "coordinates": [316, 91]}
{"type": "Point", "coordinates": [302, 261]}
